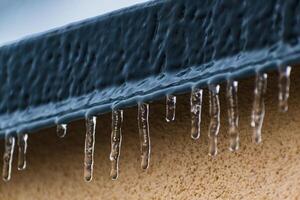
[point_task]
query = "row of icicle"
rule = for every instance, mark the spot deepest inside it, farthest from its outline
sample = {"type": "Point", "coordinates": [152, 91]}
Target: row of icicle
{"type": "Point", "coordinates": [257, 116]}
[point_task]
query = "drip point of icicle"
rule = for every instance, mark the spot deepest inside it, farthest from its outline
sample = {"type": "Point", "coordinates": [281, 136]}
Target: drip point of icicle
{"type": "Point", "coordinates": [143, 124]}
{"type": "Point", "coordinates": [89, 148]}
{"type": "Point", "coordinates": [284, 87]}
{"type": "Point", "coordinates": [116, 141]}
{"type": "Point", "coordinates": [22, 146]}
{"type": "Point", "coordinates": [214, 112]}
{"type": "Point", "coordinates": [170, 107]}
{"type": "Point", "coordinates": [196, 106]}
{"type": "Point", "coordinates": [258, 109]}
{"type": "Point", "coordinates": [8, 156]}
{"type": "Point", "coordinates": [61, 130]}
{"type": "Point", "coordinates": [233, 114]}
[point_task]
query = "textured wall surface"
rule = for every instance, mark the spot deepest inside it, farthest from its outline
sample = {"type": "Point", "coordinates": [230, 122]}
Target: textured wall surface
{"type": "Point", "coordinates": [180, 167]}
{"type": "Point", "coordinates": [139, 54]}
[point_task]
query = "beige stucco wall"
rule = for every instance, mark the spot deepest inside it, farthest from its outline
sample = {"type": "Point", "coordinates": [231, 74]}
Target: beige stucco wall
{"type": "Point", "coordinates": [180, 167]}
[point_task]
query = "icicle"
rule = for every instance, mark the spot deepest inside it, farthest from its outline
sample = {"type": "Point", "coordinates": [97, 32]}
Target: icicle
{"type": "Point", "coordinates": [8, 156]}
{"type": "Point", "coordinates": [214, 111]}
{"type": "Point", "coordinates": [22, 145]}
{"type": "Point", "coordinates": [170, 107]}
{"type": "Point", "coordinates": [116, 140]}
{"type": "Point", "coordinates": [284, 87]}
{"type": "Point", "coordinates": [258, 109]}
{"type": "Point", "coordinates": [196, 105]}
{"type": "Point", "coordinates": [89, 148]}
{"type": "Point", "coordinates": [143, 123]}
{"type": "Point", "coordinates": [61, 130]}
{"type": "Point", "coordinates": [233, 115]}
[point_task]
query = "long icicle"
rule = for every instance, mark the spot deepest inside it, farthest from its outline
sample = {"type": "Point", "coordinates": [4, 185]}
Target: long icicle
{"type": "Point", "coordinates": [258, 109]}
{"type": "Point", "coordinates": [116, 141]}
{"type": "Point", "coordinates": [89, 148]}
{"type": "Point", "coordinates": [214, 126]}
{"type": "Point", "coordinates": [61, 130]}
{"type": "Point", "coordinates": [233, 114]}
{"type": "Point", "coordinates": [143, 124]}
{"type": "Point", "coordinates": [22, 146]}
{"type": "Point", "coordinates": [170, 107]}
{"type": "Point", "coordinates": [284, 87]}
{"type": "Point", "coordinates": [8, 156]}
{"type": "Point", "coordinates": [196, 106]}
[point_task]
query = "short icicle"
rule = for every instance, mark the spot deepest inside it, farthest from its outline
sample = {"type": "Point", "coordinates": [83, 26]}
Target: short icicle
{"type": "Point", "coordinates": [143, 124]}
{"type": "Point", "coordinates": [61, 130]}
{"type": "Point", "coordinates": [214, 126]}
{"type": "Point", "coordinates": [22, 147]}
{"type": "Point", "coordinates": [284, 87]}
{"type": "Point", "coordinates": [170, 107]}
{"type": "Point", "coordinates": [196, 106]}
{"type": "Point", "coordinates": [258, 109]}
{"type": "Point", "coordinates": [116, 140]}
{"type": "Point", "coordinates": [8, 156]}
{"type": "Point", "coordinates": [89, 148]}
{"type": "Point", "coordinates": [233, 114]}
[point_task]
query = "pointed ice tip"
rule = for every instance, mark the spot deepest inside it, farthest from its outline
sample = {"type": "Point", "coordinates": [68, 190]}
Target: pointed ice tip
{"type": "Point", "coordinates": [283, 107]}
{"type": "Point", "coordinates": [213, 153]}
{"type": "Point", "coordinates": [114, 175]}
{"type": "Point", "coordinates": [234, 147]}
{"type": "Point", "coordinates": [144, 166]}
{"type": "Point", "coordinates": [195, 137]}
{"type": "Point", "coordinates": [23, 167]}
{"type": "Point", "coordinates": [88, 179]}
{"type": "Point", "coordinates": [6, 179]}
{"type": "Point", "coordinates": [257, 139]}
{"type": "Point", "coordinates": [169, 120]}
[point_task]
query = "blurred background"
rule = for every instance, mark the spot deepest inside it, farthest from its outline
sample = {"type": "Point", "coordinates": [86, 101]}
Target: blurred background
{"type": "Point", "coordinates": [21, 18]}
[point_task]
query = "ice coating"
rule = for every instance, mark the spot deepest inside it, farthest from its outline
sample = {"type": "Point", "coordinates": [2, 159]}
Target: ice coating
{"type": "Point", "coordinates": [67, 76]}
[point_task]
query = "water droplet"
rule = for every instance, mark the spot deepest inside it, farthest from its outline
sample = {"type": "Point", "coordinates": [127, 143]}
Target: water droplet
{"type": "Point", "coordinates": [8, 156]}
{"type": "Point", "coordinates": [214, 126]}
{"type": "Point", "coordinates": [143, 124]}
{"type": "Point", "coordinates": [89, 148]}
{"type": "Point", "coordinates": [170, 107]}
{"type": "Point", "coordinates": [61, 130]}
{"type": "Point", "coordinates": [22, 146]}
{"type": "Point", "coordinates": [196, 105]}
{"type": "Point", "coordinates": [116, 140]}
{"type": "Point", "coordinates": [284, 87]}
{"type": "Point", "coordinates": [258, 109]}
{"type": "Point", "coordinates": [233, 115]}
